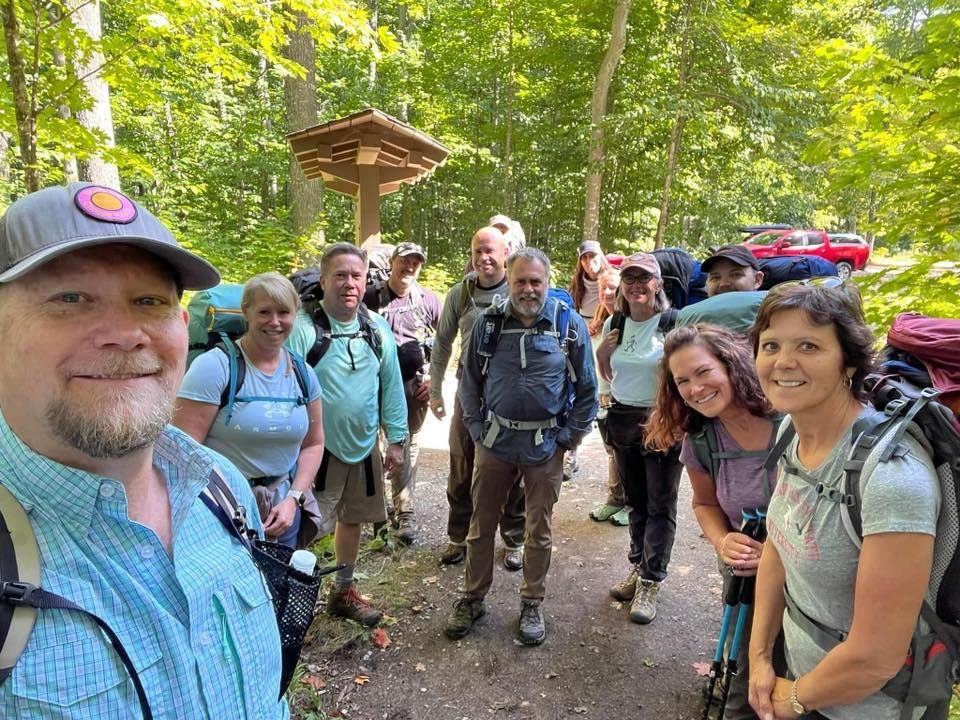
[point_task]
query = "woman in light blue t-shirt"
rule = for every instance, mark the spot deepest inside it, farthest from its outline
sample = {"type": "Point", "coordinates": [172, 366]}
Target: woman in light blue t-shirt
{"type": "Point", "coordinates": [273, 432]}
{"type": "Point", "coordinates": [628, 360]}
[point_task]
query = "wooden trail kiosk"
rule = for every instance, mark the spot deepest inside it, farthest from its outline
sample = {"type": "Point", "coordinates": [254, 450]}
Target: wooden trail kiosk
{"type": "Point", "coordinates": [366, 155]}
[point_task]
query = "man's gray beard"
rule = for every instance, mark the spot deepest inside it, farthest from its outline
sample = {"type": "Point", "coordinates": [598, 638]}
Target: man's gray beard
{"type": "Point", "coordinates": [125, 423]}
{"type": "Point", "coordinates": [515, 304]}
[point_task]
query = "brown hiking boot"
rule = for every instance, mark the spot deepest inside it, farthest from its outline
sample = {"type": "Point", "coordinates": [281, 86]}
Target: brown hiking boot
{"type": "Point", "coordinates": [406, 529]}
{"type": "Point", "coordinates": [453, 554]}
{"type": "Point", "coordinates": [627, 588]}
{"type": "Point", "coordinates": [350, 604]}
{"type": "Point", "coordinates": [466, 611]}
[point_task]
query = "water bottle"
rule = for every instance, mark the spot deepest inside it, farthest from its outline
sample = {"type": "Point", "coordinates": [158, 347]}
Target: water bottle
{"type": "Point", "coordinates": [303, 561]}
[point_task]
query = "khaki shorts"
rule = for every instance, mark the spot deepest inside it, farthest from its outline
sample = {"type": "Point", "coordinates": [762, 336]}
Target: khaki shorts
{"type": "Point", "coordinates": [344, 496]}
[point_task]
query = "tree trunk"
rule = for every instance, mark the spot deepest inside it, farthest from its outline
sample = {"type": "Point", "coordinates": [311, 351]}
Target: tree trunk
{"type": "Point", "coordinates": [506, 203]}
{"type": "Point", "coordinates": [679, 121]}
{"type": "Point", "coordinates": [300, 99]}
{"type": "Point", "coordinates": [24, 104]}
{"type": "Point", "coordinates": [71, 172]}
{"type": "Point", "coordinates": [598, 110]}
{"type": "Point", "coordinates": [374, 25]}
{"type": "Point", "coordinates": [85, 16]}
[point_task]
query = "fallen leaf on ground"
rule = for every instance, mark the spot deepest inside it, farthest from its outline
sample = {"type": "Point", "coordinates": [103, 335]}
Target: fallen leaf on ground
{"type": "Point", "coordinates": [381, 639]}
{"type": "Point", "coordinates": [647, 662]}
{"type": "Point", "coordinates": [432, 580]}
{"type": "Point", "coordinates": [420, 667]}
{"type": "Point", "coordinates": [550, 676]}
{"type": "Point", "coordinates": [702, 668]}
{"type": "Point", "coordinates": [314, 681]}
{"type": "Point", "coordinates": [361, 680]}
{"type": "Point", "coordinates": [580, 710]}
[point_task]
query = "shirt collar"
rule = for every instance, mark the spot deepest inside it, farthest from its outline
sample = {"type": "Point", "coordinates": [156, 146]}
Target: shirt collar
{"type": "Point", "coordinates": [70, 495]}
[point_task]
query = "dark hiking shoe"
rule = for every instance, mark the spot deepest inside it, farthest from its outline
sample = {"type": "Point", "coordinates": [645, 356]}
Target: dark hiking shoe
{"type": "Point", "coordinates": [621, 518]}
{"type": "Point", "coordinates": [453, 554]}
{"type": "Point", "coordinates": [625, 589]}
{"type": "Point", "coordinates": [466, 611]}
{"type": "Point", "coordinates": [513, 559]}
{"type": "Point", "coordinates": [406, 529]}
{"type": "Point", "coordinates": [532, 628]}
{"type": "Point", "coordinates": [350, 604]}
{"type": "Point", "coordinates": [643, 609]}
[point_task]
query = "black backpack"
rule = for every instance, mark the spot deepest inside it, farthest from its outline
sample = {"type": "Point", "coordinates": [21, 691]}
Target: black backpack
{"type": "Point", "coordinates": [933, 666]}
{"type": "Point", "coordinates": [325, 336]}
{"type": "Point", "coordinates": [676, 270]}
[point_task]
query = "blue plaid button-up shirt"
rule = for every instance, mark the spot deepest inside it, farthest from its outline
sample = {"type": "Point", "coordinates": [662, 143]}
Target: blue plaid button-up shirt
{"type": "Point", "coordinates": [199, 627]}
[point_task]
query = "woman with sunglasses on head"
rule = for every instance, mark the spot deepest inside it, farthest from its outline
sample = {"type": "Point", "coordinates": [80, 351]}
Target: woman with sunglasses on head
{"type": "Point", "coordinates": [813, 351]}
{"type": "Point", "coordinates": [628, 358]}
{"type": "Point", "coordinates": [708, 385]}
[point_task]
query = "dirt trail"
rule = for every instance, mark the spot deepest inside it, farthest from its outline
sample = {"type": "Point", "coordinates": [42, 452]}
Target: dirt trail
{"type": "Point", "coordinates": [594, 662]}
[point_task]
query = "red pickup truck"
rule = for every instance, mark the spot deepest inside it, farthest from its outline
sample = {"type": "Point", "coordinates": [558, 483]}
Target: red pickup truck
{"type": "Point", "coordinates": [847, 252]}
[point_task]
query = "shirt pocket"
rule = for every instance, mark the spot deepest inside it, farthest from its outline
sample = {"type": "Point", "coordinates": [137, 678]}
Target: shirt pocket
{"type": "Point", "coordinates": [249, 623]}
{"type": "Point", "coordinates": [83, 678]}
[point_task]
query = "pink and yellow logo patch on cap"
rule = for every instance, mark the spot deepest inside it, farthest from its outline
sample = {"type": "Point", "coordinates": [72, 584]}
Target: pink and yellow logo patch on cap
{"type": "Point", "coordinates": [107, 204]}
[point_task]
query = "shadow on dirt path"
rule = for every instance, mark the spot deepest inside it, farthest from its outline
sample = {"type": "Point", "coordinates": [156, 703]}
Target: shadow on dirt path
{"type": "Point", "coordinates": [594, 662]}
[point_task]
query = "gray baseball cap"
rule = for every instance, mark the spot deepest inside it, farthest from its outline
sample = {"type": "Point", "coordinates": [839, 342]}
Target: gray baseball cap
{"type": "Point", "coordinates": [49, 223]}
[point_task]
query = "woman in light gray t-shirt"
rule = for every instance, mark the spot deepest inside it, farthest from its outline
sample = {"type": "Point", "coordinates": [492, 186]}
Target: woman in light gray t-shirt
{"type": "Point", "coordinates": [813, 351]}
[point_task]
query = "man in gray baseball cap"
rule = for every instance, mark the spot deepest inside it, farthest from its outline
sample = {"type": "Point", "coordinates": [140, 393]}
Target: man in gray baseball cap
{"type": "Point", "coordinates": [94, 347]}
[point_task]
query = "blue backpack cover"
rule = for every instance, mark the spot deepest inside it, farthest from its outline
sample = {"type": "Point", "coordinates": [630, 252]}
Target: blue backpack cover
{"type": "Point", "coordinates": [794, 267]}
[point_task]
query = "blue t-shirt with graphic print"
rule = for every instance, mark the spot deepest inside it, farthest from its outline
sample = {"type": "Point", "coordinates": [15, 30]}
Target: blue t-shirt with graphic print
{"type": "Point", "coordinates": [263, 437]}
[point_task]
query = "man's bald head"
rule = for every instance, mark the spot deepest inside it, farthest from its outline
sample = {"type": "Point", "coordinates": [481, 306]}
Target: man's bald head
{"type": "Point", "coordinates": [488, 250]}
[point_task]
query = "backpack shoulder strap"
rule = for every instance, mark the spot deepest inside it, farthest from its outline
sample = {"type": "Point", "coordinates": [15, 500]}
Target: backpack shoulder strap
{"type": "Point", "coordinates": [705, 448]}
{"type": "Point", "coordinates": [466, 292]}
{"type": "Point", "coordinates": [370, 332]}
{"type": "Point", "coordinates": [668, 319]}
{"type": "Point", "coordinates": [618, 321]}
{"type": "Point", "coordinates": [21, 596]}
{"type": "Point", "coordinates": [236, 373]}
{"type": "Point", "coordinates": [321, 323]}
{"type": "Point", "coordinates": [300, 371]}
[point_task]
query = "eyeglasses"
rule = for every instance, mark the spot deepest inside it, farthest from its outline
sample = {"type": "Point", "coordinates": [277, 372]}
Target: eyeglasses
{"type": "Point", "coordinates": [643, 279]}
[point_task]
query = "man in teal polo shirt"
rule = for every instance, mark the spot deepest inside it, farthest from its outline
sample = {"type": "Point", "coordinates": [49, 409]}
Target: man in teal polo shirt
{"type": "Point", "coordinates": [362, 391]}
{"type": "Point", "coordinates": [94, 346]}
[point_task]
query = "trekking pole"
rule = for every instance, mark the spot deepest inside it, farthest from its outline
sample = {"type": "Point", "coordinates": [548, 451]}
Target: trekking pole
{"type": "Point", "coordinates": [756, 529]}
{"type": "Point", "coordinates": [730, 601]}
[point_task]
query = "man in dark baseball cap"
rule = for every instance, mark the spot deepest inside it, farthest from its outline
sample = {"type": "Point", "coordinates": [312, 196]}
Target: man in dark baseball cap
{"type": "Point", "coordinates": [94, 347]}
{"type": "Point", "coordinates": [731, 268]}
{"type": "Point", "coordinates": [733, 279]}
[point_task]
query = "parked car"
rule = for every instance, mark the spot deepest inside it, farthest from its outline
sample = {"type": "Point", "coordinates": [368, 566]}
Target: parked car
{"type": "Point", "coordinates": [847, 254]}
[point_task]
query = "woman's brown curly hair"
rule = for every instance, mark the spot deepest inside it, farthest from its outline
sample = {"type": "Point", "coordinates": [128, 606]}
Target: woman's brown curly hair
{"type": "Point", "coordinates": [671, 417]}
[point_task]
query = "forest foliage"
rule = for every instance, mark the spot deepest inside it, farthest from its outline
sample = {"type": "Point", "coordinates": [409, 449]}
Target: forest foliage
{"type": "Point", "coordinates": [840, 114]}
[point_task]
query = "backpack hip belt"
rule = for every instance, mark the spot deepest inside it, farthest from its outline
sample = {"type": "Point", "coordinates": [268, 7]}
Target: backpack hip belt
{"type": "Point", "coordinates": [498, 421]}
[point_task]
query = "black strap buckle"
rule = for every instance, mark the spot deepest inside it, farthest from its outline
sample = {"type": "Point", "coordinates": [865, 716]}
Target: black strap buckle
{"type": "Point", "coordinates": [18, 593]}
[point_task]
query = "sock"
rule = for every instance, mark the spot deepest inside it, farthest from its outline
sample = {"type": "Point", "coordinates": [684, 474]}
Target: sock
{"type": "Point", "coordinates": [344, 577]}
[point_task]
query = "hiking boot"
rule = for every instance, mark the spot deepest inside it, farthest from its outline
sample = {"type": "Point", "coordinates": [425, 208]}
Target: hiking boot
{"type": "Point", "coordinates": [453, 554]}
{"type": "Point", "coordinates": [621, 517]}
{"type": "Point", "coordinates": [643, 609]}
{"type": "Point", "coordinates": [466, 611]}
{"type": "Point", "coordinates": [406, 529]}
{"type": "Point", "coordinates": [349, 603]}
{"type": "Point", "coordinates": [602, 513]}
{"type": "Point", "coordinates": [513, 559]}
{"type": "Point", "coordinates": [532, 629]}
{"type": "Point", "coordinates": [570, 466]}
{"type": "Point", "coordinates": [627, 588]}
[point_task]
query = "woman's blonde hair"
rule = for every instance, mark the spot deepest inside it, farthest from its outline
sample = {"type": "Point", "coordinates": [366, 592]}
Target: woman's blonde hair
{"type": "Point", "coordinates": [275, 287]}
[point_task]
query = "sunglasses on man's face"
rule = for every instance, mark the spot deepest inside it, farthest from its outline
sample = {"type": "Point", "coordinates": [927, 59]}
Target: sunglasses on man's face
{"type": "Point", "coordinates": [634, 278]}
